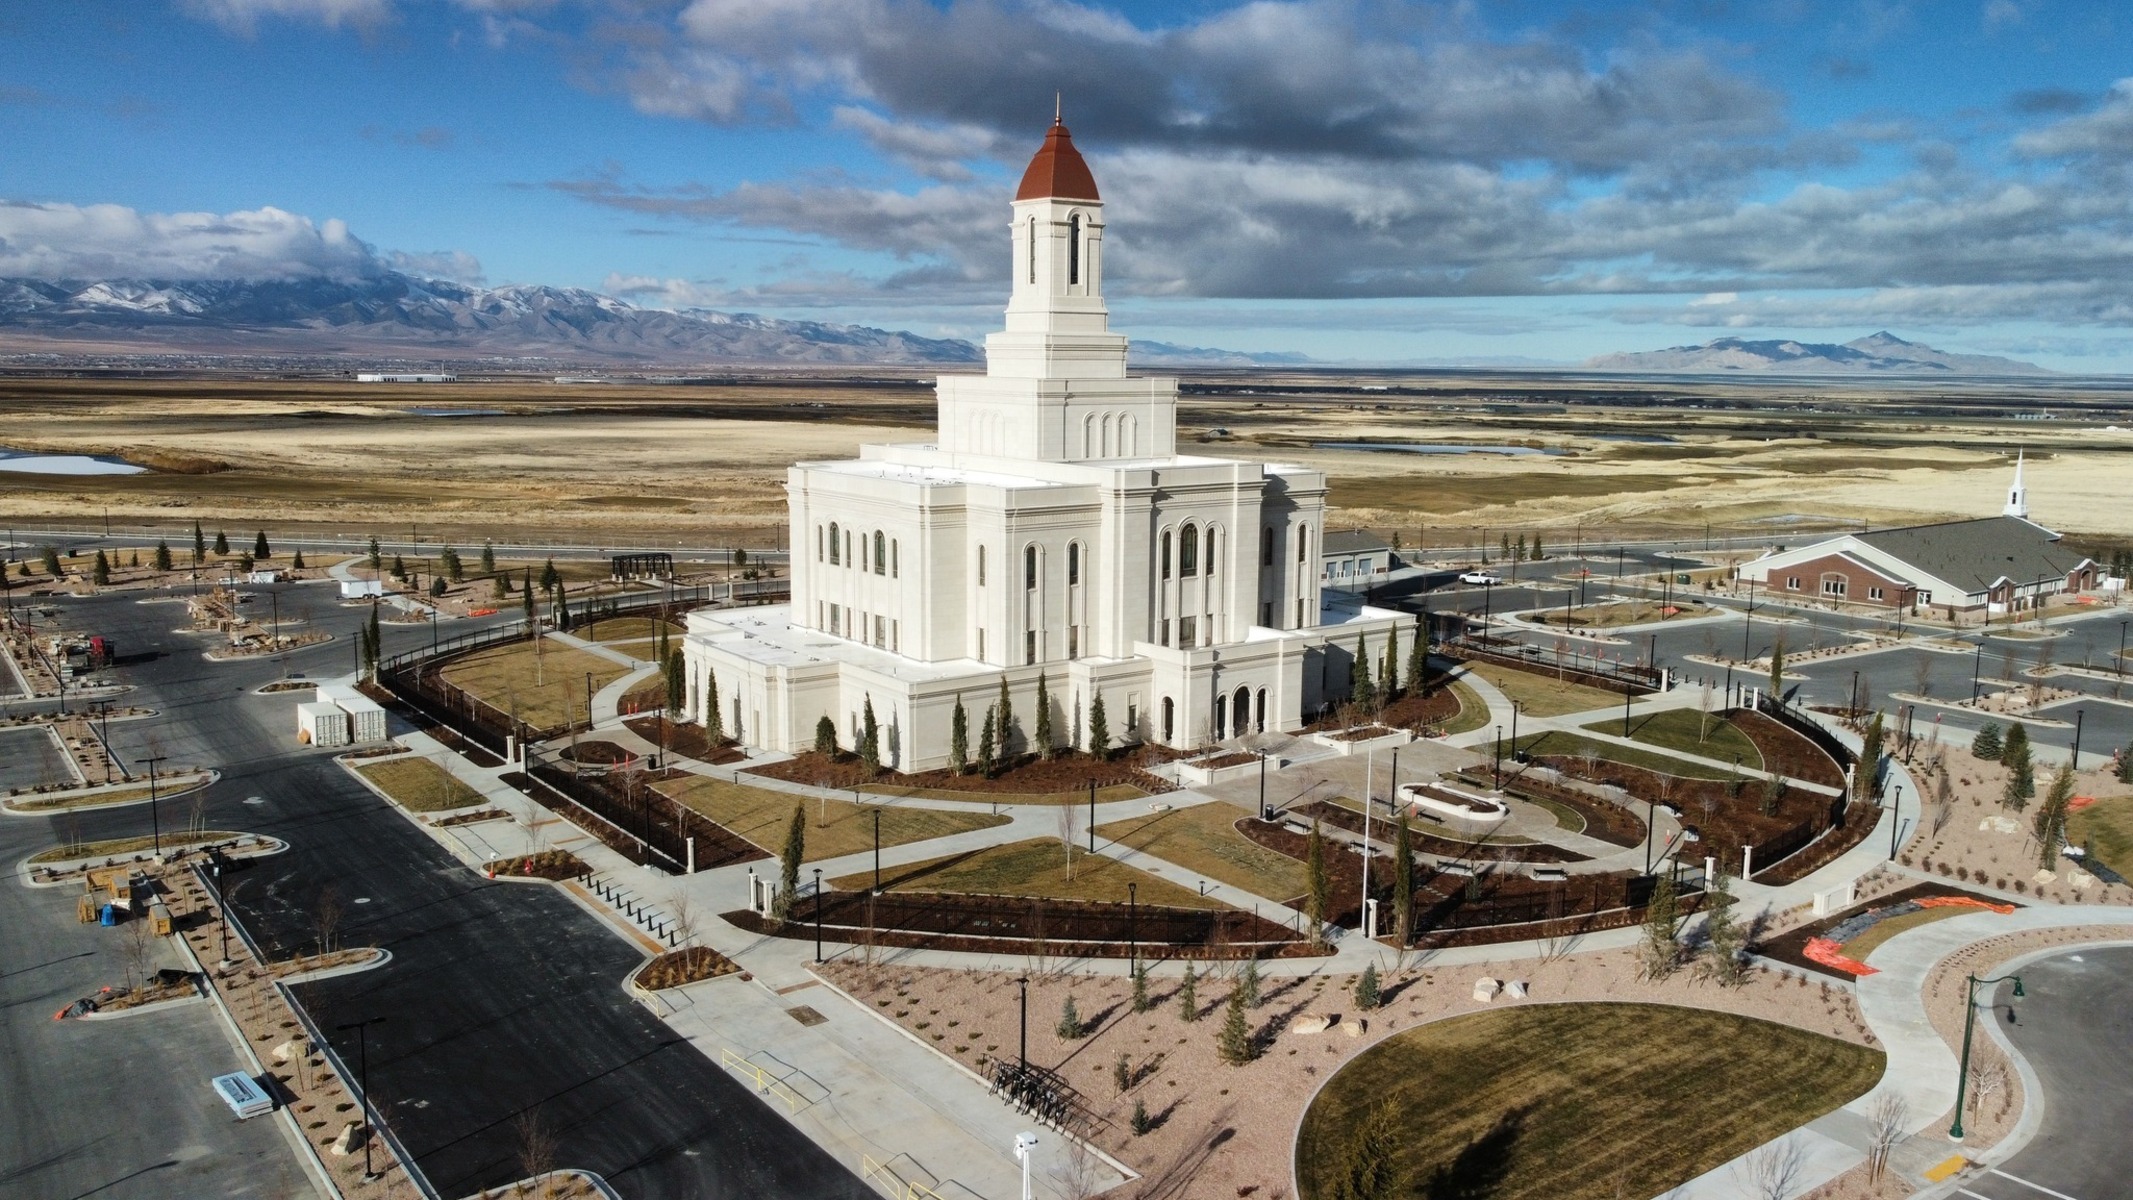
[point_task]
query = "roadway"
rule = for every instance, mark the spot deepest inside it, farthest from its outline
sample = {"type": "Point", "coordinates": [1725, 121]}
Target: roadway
{"type": "Point", "coordinates": [499, 997]}
{"type": "Point", "coordinates": [2075, 1026]}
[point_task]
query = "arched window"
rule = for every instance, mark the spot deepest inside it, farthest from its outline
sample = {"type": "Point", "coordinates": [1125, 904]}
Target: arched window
{"type": "Point", "coordinates": [1110, 437]}
{"type": "Point", "coordinates": [836, 558]}
{"type": "Point", "coordinates": [1029, 566]}
{"type": "Point", "coordinates": [1074, 249]}
{"type": "Point", "coordinates": [1303, 541]}
{"type": "Point", "coordinates": [1221, 715]}
{"type": "Point", "coordinates": [1170, 719]}
{"type": "Point", "coordinates": [881, 544]}
{"type": "Point", "coordinates": [895, 558]}
{"type": "Point", "coordinates": [1188, 551]}
{"type": "Point", "coordinates": [1259, 721]}
{"type": "Point", "coordinates": [1073, 564]}
{"type": "Point", "coordinates": [1128, 440]}
{"type": "Point", "coordinates": [1166, 554]}
{"type": "Point", "coordinates": [1241, 714]}
{"type": "Point", "coordinates": [1089, 444]}
{"type": "Point", "coordinates": [818, 543]}
{"type": "Point", "coordinates": [1210, 556]}
{"type": "Point", "coordinates": [981, 566]}
{"type": "Point", "coordinates": [1033, 249]}
{"type": "Point", "coordinates": [1266, 546]}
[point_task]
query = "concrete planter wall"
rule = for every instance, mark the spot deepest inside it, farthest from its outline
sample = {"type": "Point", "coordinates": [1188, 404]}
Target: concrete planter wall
{"type": "Point", "coordinates": [1391, 737]}
{"type": "Point", "coordinates": [1191, 774]}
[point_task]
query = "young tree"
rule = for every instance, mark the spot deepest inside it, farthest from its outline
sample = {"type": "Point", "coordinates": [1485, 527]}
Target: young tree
{"type": "Point", "coordinates": [789, 862]}
{"type": "Point", "coordinates": [825, 735]}
{"type": "Point", "coordinates": [297, 563]}
{"type": "Point", "coordinates": [454, 570]}
{"type": "Point", "coordinates": [1777, 670]}
{"type": "Point", "coordinates": [1004, 731]}
{"type": "Point", "coordinates": [987, 735]}
{"type": "Point", "coordinates": [959, 738]}
{"type": "Point", "coordinates": [100, 574]}
{"type": "Point", "coordinates": [1507, 545]}
{"type": "Point", "coordinates": [1360, 692]}
{"type": "Point", "coordinates": [2021, 769]}
{"type": "Point", "coordinates": [1044, 719]}
{"type": "Point", "coordinates": [1660, 952]}
{"type": "Point", "coordinates": [1368, 1168]}
{"type": "Point", "coordinates": [488, 558]}
{"type": "Point", "coordinates": [399, 570]}
{"type": "Point", "coordinates": [869, 738]}
{"type": "Point", "coordinates": [377, 638]}
{"type": "Point", "coordinates": [437, 585]}
{"type": "Point", "coordinates": [222, 542]}
{"type": "Point", "coordinates": [714, 720]}
{"type": "Point", "coordinates": [499, 587]}
{"type": "Point", "coordinates": [1140, 986]}
{"type": "Point", "coordinates": [1537, 554]}
{"type": "Point", "coordinates": [1235, 1041]}
{"type": "Point", "coordinates": [50, 557]}
{"type": "Point", "coordinates": [162, 558]}
{"type": "Point", "coordinates": [1366, 988]}
{"type": "Point", "coordinates": [551, 579]}
{"type": "Point", "coordinates": [1389, 675]}
{"type": "Point", "coordinates": [1099, 729]}
{"type": "Point", "coordinates": [1987, 744]}
{"type": "Point", "coordinates": [1869, 772]}
{"type": "Point", "coordinates": [1189, 996]}
{"type": "Point", "coordinates": [1315, 873]}
{"type": "Point", "coordinates": [200, 544]}
{"type": "Point", "coordinates": [244, 561]}
{"type": "Point", "coordinates": [1518, 549]}
{"type": "Point", "coordinates": [1403, 883]}
{"type": "Point", "coordinates": [1070, 1028]}
{"type": "Point", "coordinates": [677, 683]}
{"type": "Point", "coordinates": [1723, 934]}
{"type": "Point", "coordinates": [260, 548]}
{"type": "Point", "coordinates": [2050, 823]}
{"type": "Point", "coordinates": [1418, 659]}
{"type": "Point", "coordinates": [526, 594]}
{"type": "Point", "coordinates": [1248, 982]}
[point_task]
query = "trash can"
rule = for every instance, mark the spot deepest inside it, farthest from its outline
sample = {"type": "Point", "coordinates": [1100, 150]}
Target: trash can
{"type": "Point", "coordinates": [110, 915]}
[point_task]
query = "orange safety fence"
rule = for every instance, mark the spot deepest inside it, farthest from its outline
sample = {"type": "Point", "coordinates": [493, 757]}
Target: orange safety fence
{"type": "Point", "coordinates": [1829, 954]}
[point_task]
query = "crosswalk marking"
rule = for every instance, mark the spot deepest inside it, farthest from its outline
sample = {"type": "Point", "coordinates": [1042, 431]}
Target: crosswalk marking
{"type": "Point", "coordinates": [2032, 1186]}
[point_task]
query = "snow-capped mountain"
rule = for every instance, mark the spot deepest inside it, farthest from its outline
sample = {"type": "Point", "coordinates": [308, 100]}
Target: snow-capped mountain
{"type": "Point", "coordinates": [1877, 354]}
{"type": "Point", "coordinates": [402, 315]}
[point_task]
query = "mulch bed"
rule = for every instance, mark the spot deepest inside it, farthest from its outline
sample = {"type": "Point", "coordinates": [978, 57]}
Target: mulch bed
{"type": "Point", "coordinates": [1344, 867]}
{"type": "Point", "coordinates": [624, 818]}
{"type": "Point", "coordinates": [1604, 820]}
{"type": "Point", "coordinates": [1457, 910]}
{"type": "Point", "coordinates": [1790, 947]}
{"type": "Point", "coordinates": [1235, 758]}
{"type": "Point", "coordinates": [1024, 925]}
{"type": "Point", "coordinates": [1786, 752]}
{"type": "Point", "coordinates": [1381, 831]}
{"type": "Point", "coordinates": [547, 864]}
{"type": "Point", "coordinates": [1030, 774]}
{"type": "Point", "coordinates": [1415, 713]}
{"type": "Point", "coordinates": [599, 753]}
{"type": "Point", "coordinates": [690, 965]}
{"type": "Point", "coordinates": [469, 818]}
{"type": "Point", "coordinates": [685, 739]}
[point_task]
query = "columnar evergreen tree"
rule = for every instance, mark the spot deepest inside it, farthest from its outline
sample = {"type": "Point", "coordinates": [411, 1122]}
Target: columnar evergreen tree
{"type": "Point", "coordinates": [1070, 1027]}
{"type": "Point", "coordinates": [297, 563]}
{"type": "Point", "coordinates": [1777, 670]}
{"type": "Point", "coordinates": [454, 570]}
{"type": "Point", "coordinates": [526, 594]}
{"type": "Point", "coordinates": [1044, 719]}
{"type": "Point", "coordinates": [1390, 676]}
{"type": "Point", "coordinates": [162, 558]}
{"type": "Point", "coordinates": [222, 542]}
{"type": "Point", "coordinates": [1248, 982]}
{"type": "Point", "coordinates": [714, 720]}
{"type": "Point", "coordinates": [825, 735]}
{"type": "Point", "coordinates": [260, 550]}
{"type": "Point", "coordinates": [987, 738]}
{"type": "Point", "coordinates": [789, 862]}
{"type": "Point", "coordinates": [1315, 873]}
{"type": "Point", "coordinates": [2125, 765]}
{"type": "Point", "coordinates": [551, 579]}
{"type": "Point", "coordinates": [100, 574]}
{"type": "Point", "coordinates": [2021, 768]}
{"type": "Point", "coordinates": [488, 558]}
{"type": "Point", "coordinates": [959, 738]}
{"type": "Point", "coordinates": [1140, 986]}
{"type": "Point", "coordinates": [869, 738]}
{"type": "Point", "coordinates": [1005, 730]}
{"type": "Point", "coordinates": [500, 587]}
{"type": "Point", "coordinates": [1099, 729]}
{"type": "Point", "coordinates": [1403, 883]}
{"type": "Point", "coordinates": [399, 570]}
{"type": "Point", "coordinates": [1723, 934]}
{"type": "Point", "coordinates": [1869, 771]}
{"type": "Point", "coordinates": [50, 557]}
{"type": "Point", "coordinates": [1659, 951]}
{"type": "Point", "coordinates": [1418, 659]}
{"type": "Point", "coordinates": [1987, 744]}
{"type": "Point", "coordinates": [1235, 1041]}
{"type": "Point", "coordinates": [1518, 549]}
{"type": "Point", "coordinates": [200, 545]}
{"type": "Point", "coordinates": [1537, 553]}
{"type": "Point", "coordinates": [1367, 994]}
{"type": "Point", "coordinates": [1189, 996]}
{"type": "Point", "coordinates": [2050, 825]}
{"type": "Point", "coordinates": [677, 683]}
{"type": "Point", "coordinates": [1507, 545]}
{"type": "Point", "coordinates": [1360, 693]}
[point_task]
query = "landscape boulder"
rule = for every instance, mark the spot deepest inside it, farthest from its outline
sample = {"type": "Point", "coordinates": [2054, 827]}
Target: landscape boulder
{"type": "Point", "coordinates": [1515, 990]}
{"type": "Point", "coordinates": [1311, 1023]}
{"type": "Point", "coordinates": [1485, 990]}
{"type": "Point", "coordinates": [1354, 1027]}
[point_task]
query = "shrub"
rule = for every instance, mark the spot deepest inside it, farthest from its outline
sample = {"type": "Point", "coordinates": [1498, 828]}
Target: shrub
{"type": "Point", "coordinates": [1070, 1027]}
{"type": "Point", "coordinates": [1142, 1122]}
{"type": "Point", "coordinates": [1367, 995]}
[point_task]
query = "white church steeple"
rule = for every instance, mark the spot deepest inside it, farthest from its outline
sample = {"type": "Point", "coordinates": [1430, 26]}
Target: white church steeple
{"type": "Point", "coordinates": [2017, 496]}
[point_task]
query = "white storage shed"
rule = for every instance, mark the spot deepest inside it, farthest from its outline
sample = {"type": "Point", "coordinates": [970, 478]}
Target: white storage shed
{"type": "Point", "coordinates": [366, 719]}
{"type": "Point", "coordinates": [321, 723]}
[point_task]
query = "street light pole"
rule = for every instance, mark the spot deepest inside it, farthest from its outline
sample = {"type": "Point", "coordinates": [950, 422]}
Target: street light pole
{"type": "Point", "coordinates": [1092, 816]}
{"type": "Point", "coordinates": [2074, 760]}
{"type": "Point", "coordinates": [1962, 1077]}
{"type": "Point", "coordinates": [1895, 820]}
{"type": "Point", "coordinates": [222, 908]}
{"type": "Point", "coordinates": [818, 915]}
{"type": "Point", "coordinates": [1022, 1047]}
{"type": "Point", "coordinates": [877, 849]}
{"type": "Point", "coordinates": [1133, 924]}
{"type": "Point", "coordinates": [154, 823]}
{"type": "Point", "coordinates": [363, 1072]}
{"type": "Point", "coordinates": [1977, 663]}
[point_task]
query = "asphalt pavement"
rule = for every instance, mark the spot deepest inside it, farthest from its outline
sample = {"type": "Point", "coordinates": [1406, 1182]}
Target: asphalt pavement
{"type": "Point", "coordinates": [499, 998]}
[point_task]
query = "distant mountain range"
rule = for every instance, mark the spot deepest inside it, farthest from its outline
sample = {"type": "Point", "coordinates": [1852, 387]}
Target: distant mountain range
{"type": "Point", "coordinates": [1877, 354]}
{"type": "Point", "coordinates": [401, 316]}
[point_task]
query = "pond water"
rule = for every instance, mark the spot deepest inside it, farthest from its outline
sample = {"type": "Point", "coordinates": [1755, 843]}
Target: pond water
{"type": "Point", "coordinates": [27, 463]}
{"type": "Point", "coordinates": [1431, 448]}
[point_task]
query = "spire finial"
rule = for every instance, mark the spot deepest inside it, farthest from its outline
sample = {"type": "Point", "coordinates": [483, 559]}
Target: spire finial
{"type": "Point", "coordinates": [1058, 109]}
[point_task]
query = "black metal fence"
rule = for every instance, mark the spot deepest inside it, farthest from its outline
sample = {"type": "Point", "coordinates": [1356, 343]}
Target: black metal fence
{"type": "Point", "coordinates": [1630, 680]}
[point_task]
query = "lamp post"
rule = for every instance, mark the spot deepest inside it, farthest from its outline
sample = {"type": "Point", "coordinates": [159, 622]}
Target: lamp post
{"type": "Point", "coordinates": [877, 849]}
{"type": "Point", "coordinates": [588, 699]}
{"type": "Point", "coordinates": [363, 1075]}
{"type": "Point", "coordinates": [1092, 816]}
{"type": "Point", "coordinates": [1962, 1077]}
{"type": "Point", "coordinates": [222, 909]}
{"type": "Point", "coordinates": [1895, 820]}
{"type": "Point", "coordinates": [1133, 924]}
{"type": "Point", "coordinates": [1263, 814]}
{"type": "Point", "coordinates": [1022, 1044]}
{"type": "Point", "coordinates": [1496, 759]}
{"type": "Point", "coordinates": [818, 915]}
{"type": "Point", "coordinates": [1651, 831]}
{"type": "Point", "coordinates": [2074, 759]}
{"type": "Point", "coordinates": [155, 825]}
{"type": "Point", "coordinates": [2122, 649]}
{"type": "Point", "coordinates": [1977, 663]}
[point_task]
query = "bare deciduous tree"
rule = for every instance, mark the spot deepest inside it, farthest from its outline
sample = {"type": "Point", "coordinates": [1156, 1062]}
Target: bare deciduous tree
{"type": "Point", "coordinates": [1773, 1170]}
{"type": "Point", "coordinates": [139, 949]}
{"type": "Point", "coordinates": [1988, 1077]}
{"type": "Point", "coordinates": [536, 1145]}
{"type": "Point", "coordinates": [1885, 1119]}
{"type": "Point", "coordinates": [1080, 1175]}
{"type": "Point", "coordinates": [326, 919]}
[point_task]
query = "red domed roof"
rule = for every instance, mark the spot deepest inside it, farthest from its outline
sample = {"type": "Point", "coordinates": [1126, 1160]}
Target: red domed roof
{"type": "Point", "coordinates": [1057, 172]}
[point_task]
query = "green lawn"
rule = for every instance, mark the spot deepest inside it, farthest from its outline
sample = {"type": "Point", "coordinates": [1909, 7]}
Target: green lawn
{"type": "Point", "coordinates": [1473, 710]}
{"type": "Point", "coordinates": [1575, 1101]}
{"type": "Point", "coordinates": [2109, 824]}
{"type": "Point", "coordinates": [420, 785]}
{"type": "Point", "coordinates": [630, 629]}
{"type": "Point", "coordinates": [1104, 795]}
{"type": "Point", "coordinates": [834, 827]}
{"type": "Point", "coordinates": [1881, 931]}
{"type": "Point", "coordinates": [1203, 838]}
{"type": "Point", "coordinates": [1688, 731]}
{"type": "Point", "coordinates": [1037, 867]}
{"type": "Point", "coordinates": [1575, 744]}
{"type": "Point", "coordinates": [1544, 695]}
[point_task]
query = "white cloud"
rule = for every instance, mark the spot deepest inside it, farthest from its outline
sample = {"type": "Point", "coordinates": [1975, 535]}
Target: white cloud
{"type": "Point", "coordinates": [111, 241]}
{"type": "Point", "coordinates": [243, 16]}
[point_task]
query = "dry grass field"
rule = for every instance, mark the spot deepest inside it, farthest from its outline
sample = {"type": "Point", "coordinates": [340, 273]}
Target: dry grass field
{"type": "Point", "coordinates": [834, 827]}
{"type": "Point", "coordinates": [642, 461]}
{"type": "Point", "coordinates": [545, 688]}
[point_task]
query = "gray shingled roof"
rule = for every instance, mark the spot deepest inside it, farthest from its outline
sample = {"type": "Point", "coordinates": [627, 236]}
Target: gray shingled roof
{"type": "Point", "coordinates": [1975, 554]}
{"type": "Point", "coordinates": [1352, 541]}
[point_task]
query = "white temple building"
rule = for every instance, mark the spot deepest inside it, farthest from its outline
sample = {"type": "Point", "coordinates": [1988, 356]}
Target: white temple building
{"type": "Point", "coordinates": [1051, 528]}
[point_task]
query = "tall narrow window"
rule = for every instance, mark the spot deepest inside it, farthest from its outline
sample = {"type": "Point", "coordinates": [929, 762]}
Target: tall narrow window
{"type": "Point", "coordinates": [1170, 719]}
{"type": "Point", "coordinates": [835, 557]}
{"type": "Point", "coordinates": [981, 566]}
{"type": "Point", "coordinates": [881, 543]}
{"type": "Point", "coordinates": [1210, 556]}
{"type": "Point", "coordinates": [1266, 546]}
{"type": "Point", "coordinates": [1029, 647]}
{"type": "Point", "coordinates": [1166, 554]}
{"type": "Point", "coordinates": [1033, 249]}
{"type": "Point", "coordinates": [1073, 564]}
{"type": "Point", "coordinates": [1029, 566]}
{"type": "Point", "coordinates": [1303, 542]}
{"type": "Point", "coordinates": [1188, 552]}
{"type": "Point", "coordinates": [896, 565]}
{"type": "Point", "coordinates": [818, 543]}
{"type": "Point", "coordinates": [1074, 249]}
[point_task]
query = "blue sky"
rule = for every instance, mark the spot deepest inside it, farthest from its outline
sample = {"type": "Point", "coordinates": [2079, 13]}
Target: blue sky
{"type": "Point", "coordinates": [1358, 181]}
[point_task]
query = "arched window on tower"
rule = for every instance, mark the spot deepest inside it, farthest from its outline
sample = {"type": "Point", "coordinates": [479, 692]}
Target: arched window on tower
{"type": "Point", "coordinates": [1210, 555]}
{"type": "Point", "coordinates": [1074, 249]}
{"type": "Point", "coordinates": [1033, 249]}
{"type": "Point", "coordinates": [1166, 554]}
{"type": "Point", "coordinates": [1073, 564]}
{"type": "Point", "coordinates": [881, 546]}
{"type": "Point", "coordinates": [1188, 552]}
{"type": "Point", "coordinates": [836, 546]}
{"type": "Point", "coordinates": [1029, 567]}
